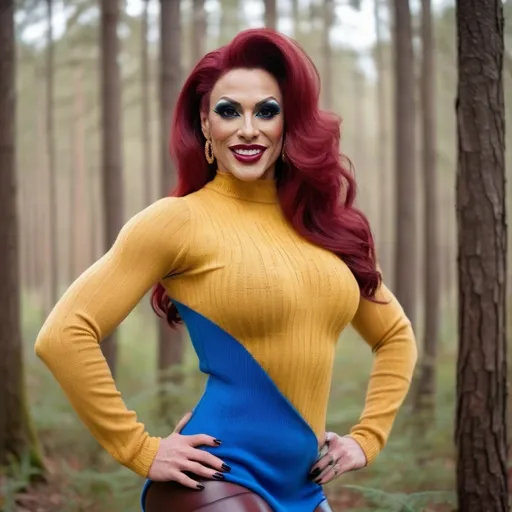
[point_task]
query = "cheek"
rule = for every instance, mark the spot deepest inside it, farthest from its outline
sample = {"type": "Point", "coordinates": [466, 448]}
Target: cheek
{"type": "Point", "coordinates": [275, 130]}
{"type": "Point", "coordinates": [220, 130]}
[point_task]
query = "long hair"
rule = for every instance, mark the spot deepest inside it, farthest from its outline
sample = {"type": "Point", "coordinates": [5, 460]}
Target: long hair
{"type": "Point", "coordinates": [316, 190]}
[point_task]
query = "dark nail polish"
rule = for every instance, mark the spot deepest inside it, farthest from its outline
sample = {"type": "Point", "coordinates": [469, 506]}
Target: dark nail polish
{"type": "Point", "coordinates": [225, 467]}
{"type": "Point", "coordinates": [200, 486]}
{"type": "Point", "coordinates": [314, 473]}
{"type": "Point", "coordinates": [217, 441]}
{"type": "Point", "coordinates": [218, 476]}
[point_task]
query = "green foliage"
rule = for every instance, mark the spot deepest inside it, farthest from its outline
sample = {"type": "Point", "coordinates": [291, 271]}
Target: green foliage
{"type": "Point", "coordinates": [400, 502]}
{"type": "Point", "coordinates": [18, 478]}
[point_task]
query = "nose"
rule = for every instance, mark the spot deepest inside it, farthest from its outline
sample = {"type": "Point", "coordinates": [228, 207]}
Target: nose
{"type": "Point", "coordinates": [248, 130]}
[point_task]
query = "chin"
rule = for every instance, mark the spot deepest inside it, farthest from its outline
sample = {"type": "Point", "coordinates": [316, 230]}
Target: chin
{"type": "Point", "coordinates": [249, 172]}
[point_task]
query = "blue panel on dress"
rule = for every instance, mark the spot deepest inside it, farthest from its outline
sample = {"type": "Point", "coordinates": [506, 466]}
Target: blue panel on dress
{"type": "Point", "coordinates": [265, 440]}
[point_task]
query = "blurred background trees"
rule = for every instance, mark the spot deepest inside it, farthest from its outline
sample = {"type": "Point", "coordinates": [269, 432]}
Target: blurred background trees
{"type": "Point", "coordinates": [96, 82]}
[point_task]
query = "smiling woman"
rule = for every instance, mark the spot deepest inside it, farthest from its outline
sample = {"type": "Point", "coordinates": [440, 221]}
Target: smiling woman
{"type": "Point", "coordinates": [263, 256]}
{"type": "Point", "coordinates": [245, 126]}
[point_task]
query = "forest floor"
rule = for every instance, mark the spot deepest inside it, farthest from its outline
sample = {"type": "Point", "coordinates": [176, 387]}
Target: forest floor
{"type": "Point", "coordinates": [415, 473]}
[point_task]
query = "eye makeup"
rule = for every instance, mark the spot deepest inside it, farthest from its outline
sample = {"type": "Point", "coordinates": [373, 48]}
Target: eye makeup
{"type": "Point", "coordinates": [227, 108]}
{"type": "Point", "coordinates": [264, 109]}
{"type": "Point", "coordinates": [268, 109]}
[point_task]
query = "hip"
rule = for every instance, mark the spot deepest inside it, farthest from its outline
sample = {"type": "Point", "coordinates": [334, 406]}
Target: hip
{"type": "Point", "coordinates": [215, 497]}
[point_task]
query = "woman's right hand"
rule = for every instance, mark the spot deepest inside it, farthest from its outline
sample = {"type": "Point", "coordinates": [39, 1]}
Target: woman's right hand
{"type": "Point", "coordinates": [178, 454]}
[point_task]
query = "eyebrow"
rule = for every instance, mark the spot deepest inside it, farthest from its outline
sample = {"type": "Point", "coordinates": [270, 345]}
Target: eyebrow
{"type": "Point", "coordinates": [238, 105]}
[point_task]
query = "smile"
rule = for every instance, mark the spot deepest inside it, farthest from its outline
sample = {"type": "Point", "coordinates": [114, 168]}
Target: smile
{"type": "Point", "coordinates": [248, 154]}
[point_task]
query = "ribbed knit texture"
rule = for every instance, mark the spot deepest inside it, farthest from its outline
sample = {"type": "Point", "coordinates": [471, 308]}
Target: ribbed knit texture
{"type": "Point", "coordinates": [229, 254]}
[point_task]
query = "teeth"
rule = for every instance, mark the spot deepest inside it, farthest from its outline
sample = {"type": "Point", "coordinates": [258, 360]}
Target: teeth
{"type": "Point", "coordinates": [248, 152]}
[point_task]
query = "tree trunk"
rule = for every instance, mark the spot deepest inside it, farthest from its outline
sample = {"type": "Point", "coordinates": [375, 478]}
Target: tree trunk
{"type": "Point", "coordinates": [42, 179]}
{"type": "Point", "coordinates": [295, 19]}
{"type": "Point", "coordinates": [481, 423]}
{"type": "Point", "coordinates": [112, 171]}
{"type": "Point", "coordinates": [17, 437]}
{"type": "Point", "coordinates": [327, 76]}
{"type": "Point", "coordinates": [170, 341]}
{"type": "Point", "coordinates": [198, 31]}
{"type": "Point", "coordinates": [147, 160]}
{"type": "Point", "coordinates": [229, 20]}
{"type": "Point", "coordinates": [53, 268]}
{"type": "Point", "coordinates": [382, 234]}
{"type": "Point", "coordinates": [80, 227]}
{"type": "Point", "coordinates": [270, 14]}
{"type": "Point", "coordinates": [425, 398]}
{"type": "Point", "coordinates": [405, 215]}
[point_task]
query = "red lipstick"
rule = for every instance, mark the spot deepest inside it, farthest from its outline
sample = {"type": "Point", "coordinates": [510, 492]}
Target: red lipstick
{"type": "Point", "coordinates": [248, 153]}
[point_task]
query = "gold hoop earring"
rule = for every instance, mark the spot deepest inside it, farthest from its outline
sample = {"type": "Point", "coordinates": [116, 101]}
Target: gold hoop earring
{"type": "Point", "coordinates": [283, 156]}
{"type": "Point", "coordinates": [208, 152]}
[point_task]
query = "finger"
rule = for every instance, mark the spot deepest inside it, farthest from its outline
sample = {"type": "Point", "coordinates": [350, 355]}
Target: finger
{"type": "Point", "coordinates": [182, 423]}
{"type": "Point", "coordinates": [335, 471]}
{"type": "Point", "coordinates": [325, 471]}
{"type": "Point", "coordinates": [208, 459]}
{"type": "Point", "coordinates": [327, 461]}
{"type": "Point", "coordinates": [328, 475]}
{"type": "Point", "coordinates": [202, 440]}
{"type": "Point", "coordinates": [185, 480]}
{"type": "Point", "coordinates": [202, 471]}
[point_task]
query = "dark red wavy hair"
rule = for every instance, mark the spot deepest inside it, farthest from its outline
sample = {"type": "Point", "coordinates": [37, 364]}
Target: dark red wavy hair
{"type": "Point", "coordinates": [316, 191]}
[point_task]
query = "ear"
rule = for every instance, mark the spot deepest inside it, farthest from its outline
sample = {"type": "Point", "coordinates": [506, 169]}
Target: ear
{"type": "Point", "coordinates": [205, 125]}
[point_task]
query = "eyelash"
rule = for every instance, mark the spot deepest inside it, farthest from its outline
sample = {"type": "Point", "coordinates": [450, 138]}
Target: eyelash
{"type": "Point", "coordinates": [230, 112]}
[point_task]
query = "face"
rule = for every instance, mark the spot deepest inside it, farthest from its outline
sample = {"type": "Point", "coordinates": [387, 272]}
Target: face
{"type": "Point", "coordinates": [245, 123]}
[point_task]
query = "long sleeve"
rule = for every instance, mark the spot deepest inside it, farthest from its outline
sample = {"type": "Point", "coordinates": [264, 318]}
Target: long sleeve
{"type": "Point", "coordinates": [150, 245]}
{"type": "Point", "coordinates": [388, 331]}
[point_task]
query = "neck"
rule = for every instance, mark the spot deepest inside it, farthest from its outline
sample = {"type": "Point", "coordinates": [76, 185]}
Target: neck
{"type": "Point", "coordinates": [258, 191]}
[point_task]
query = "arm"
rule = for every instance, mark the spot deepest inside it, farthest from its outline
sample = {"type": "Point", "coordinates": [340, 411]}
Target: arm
{"type": "Point", "coordinates": [149, 246]}
{"type": "Point", "coordinates": [389, 333]}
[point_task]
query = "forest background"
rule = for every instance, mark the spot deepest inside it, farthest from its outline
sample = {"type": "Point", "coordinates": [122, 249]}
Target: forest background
{"type": "Point", "coordinates": [91, 152]}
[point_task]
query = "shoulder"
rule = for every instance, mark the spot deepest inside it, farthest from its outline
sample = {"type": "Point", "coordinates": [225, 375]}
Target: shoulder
{"type": "Point", "coordinates": [151, 229]}
{"type": "Point", "coordinates": [168, 213]}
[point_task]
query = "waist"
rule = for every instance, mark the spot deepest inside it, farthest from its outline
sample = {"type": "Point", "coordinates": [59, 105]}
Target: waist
{"type": "Point", "coordinates": [262, 435]}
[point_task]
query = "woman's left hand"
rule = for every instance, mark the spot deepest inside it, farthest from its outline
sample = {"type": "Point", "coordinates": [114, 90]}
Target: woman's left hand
{"type": "Point", "coordinates": [343, 454]}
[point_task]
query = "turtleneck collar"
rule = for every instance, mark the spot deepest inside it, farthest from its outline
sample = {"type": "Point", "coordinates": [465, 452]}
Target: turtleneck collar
{"type": "Point", "coordinates": [257, 191]}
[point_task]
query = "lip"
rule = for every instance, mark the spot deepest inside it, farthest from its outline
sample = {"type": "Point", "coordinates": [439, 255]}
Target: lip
{"type": "Point", "coordinates": [248, 159]}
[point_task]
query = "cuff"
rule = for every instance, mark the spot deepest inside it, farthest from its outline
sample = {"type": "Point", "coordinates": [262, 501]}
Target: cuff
{"type": "Point", "coordinates": [370, 447]}
{"type": "Point", "coordinates": [144, 459]}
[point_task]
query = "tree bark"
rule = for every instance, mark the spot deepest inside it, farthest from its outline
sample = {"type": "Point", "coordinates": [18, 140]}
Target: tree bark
{"type": "Point", "coordinates": [17, 437]}
{"type": "Point", "coordinates": [425, 398]}
{"type": "Point", "coordinates": [171, 343]}
{"type": "Point", "coordinates": [53, 268]}
{"type": "Point", "coordinates": [481, 422]}
{"type": "Point", "coordinates": [270, 14]}
{"type": "Point", "coordinates": [147, 160]}
{"type": "Point", "coordinates": [405, 215]}
{"type": "Point", "coordinates": [112, 171]}
{"type": "Point", "coordinates": [198, 31]}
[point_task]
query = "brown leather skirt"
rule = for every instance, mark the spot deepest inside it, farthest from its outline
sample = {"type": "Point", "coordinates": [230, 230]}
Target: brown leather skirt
{"type": "Point", "coordinates": [215, 497]}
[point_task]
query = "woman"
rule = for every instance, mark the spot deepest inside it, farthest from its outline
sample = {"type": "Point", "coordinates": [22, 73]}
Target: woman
{"type": "Point", "coordinates": [264, 258]}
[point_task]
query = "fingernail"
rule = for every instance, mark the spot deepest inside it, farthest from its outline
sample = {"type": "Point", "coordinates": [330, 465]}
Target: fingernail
{"type": "Point", "coordinates": [225, 467]}
{"type": "Point", "coordinates": [200, 486]}
{"type": "Point", "coordinates": [314, 473]}
{"type": "Point", "coordinates": [217, 441]}
{"type": "Point", "coordinates": [218, 476]}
